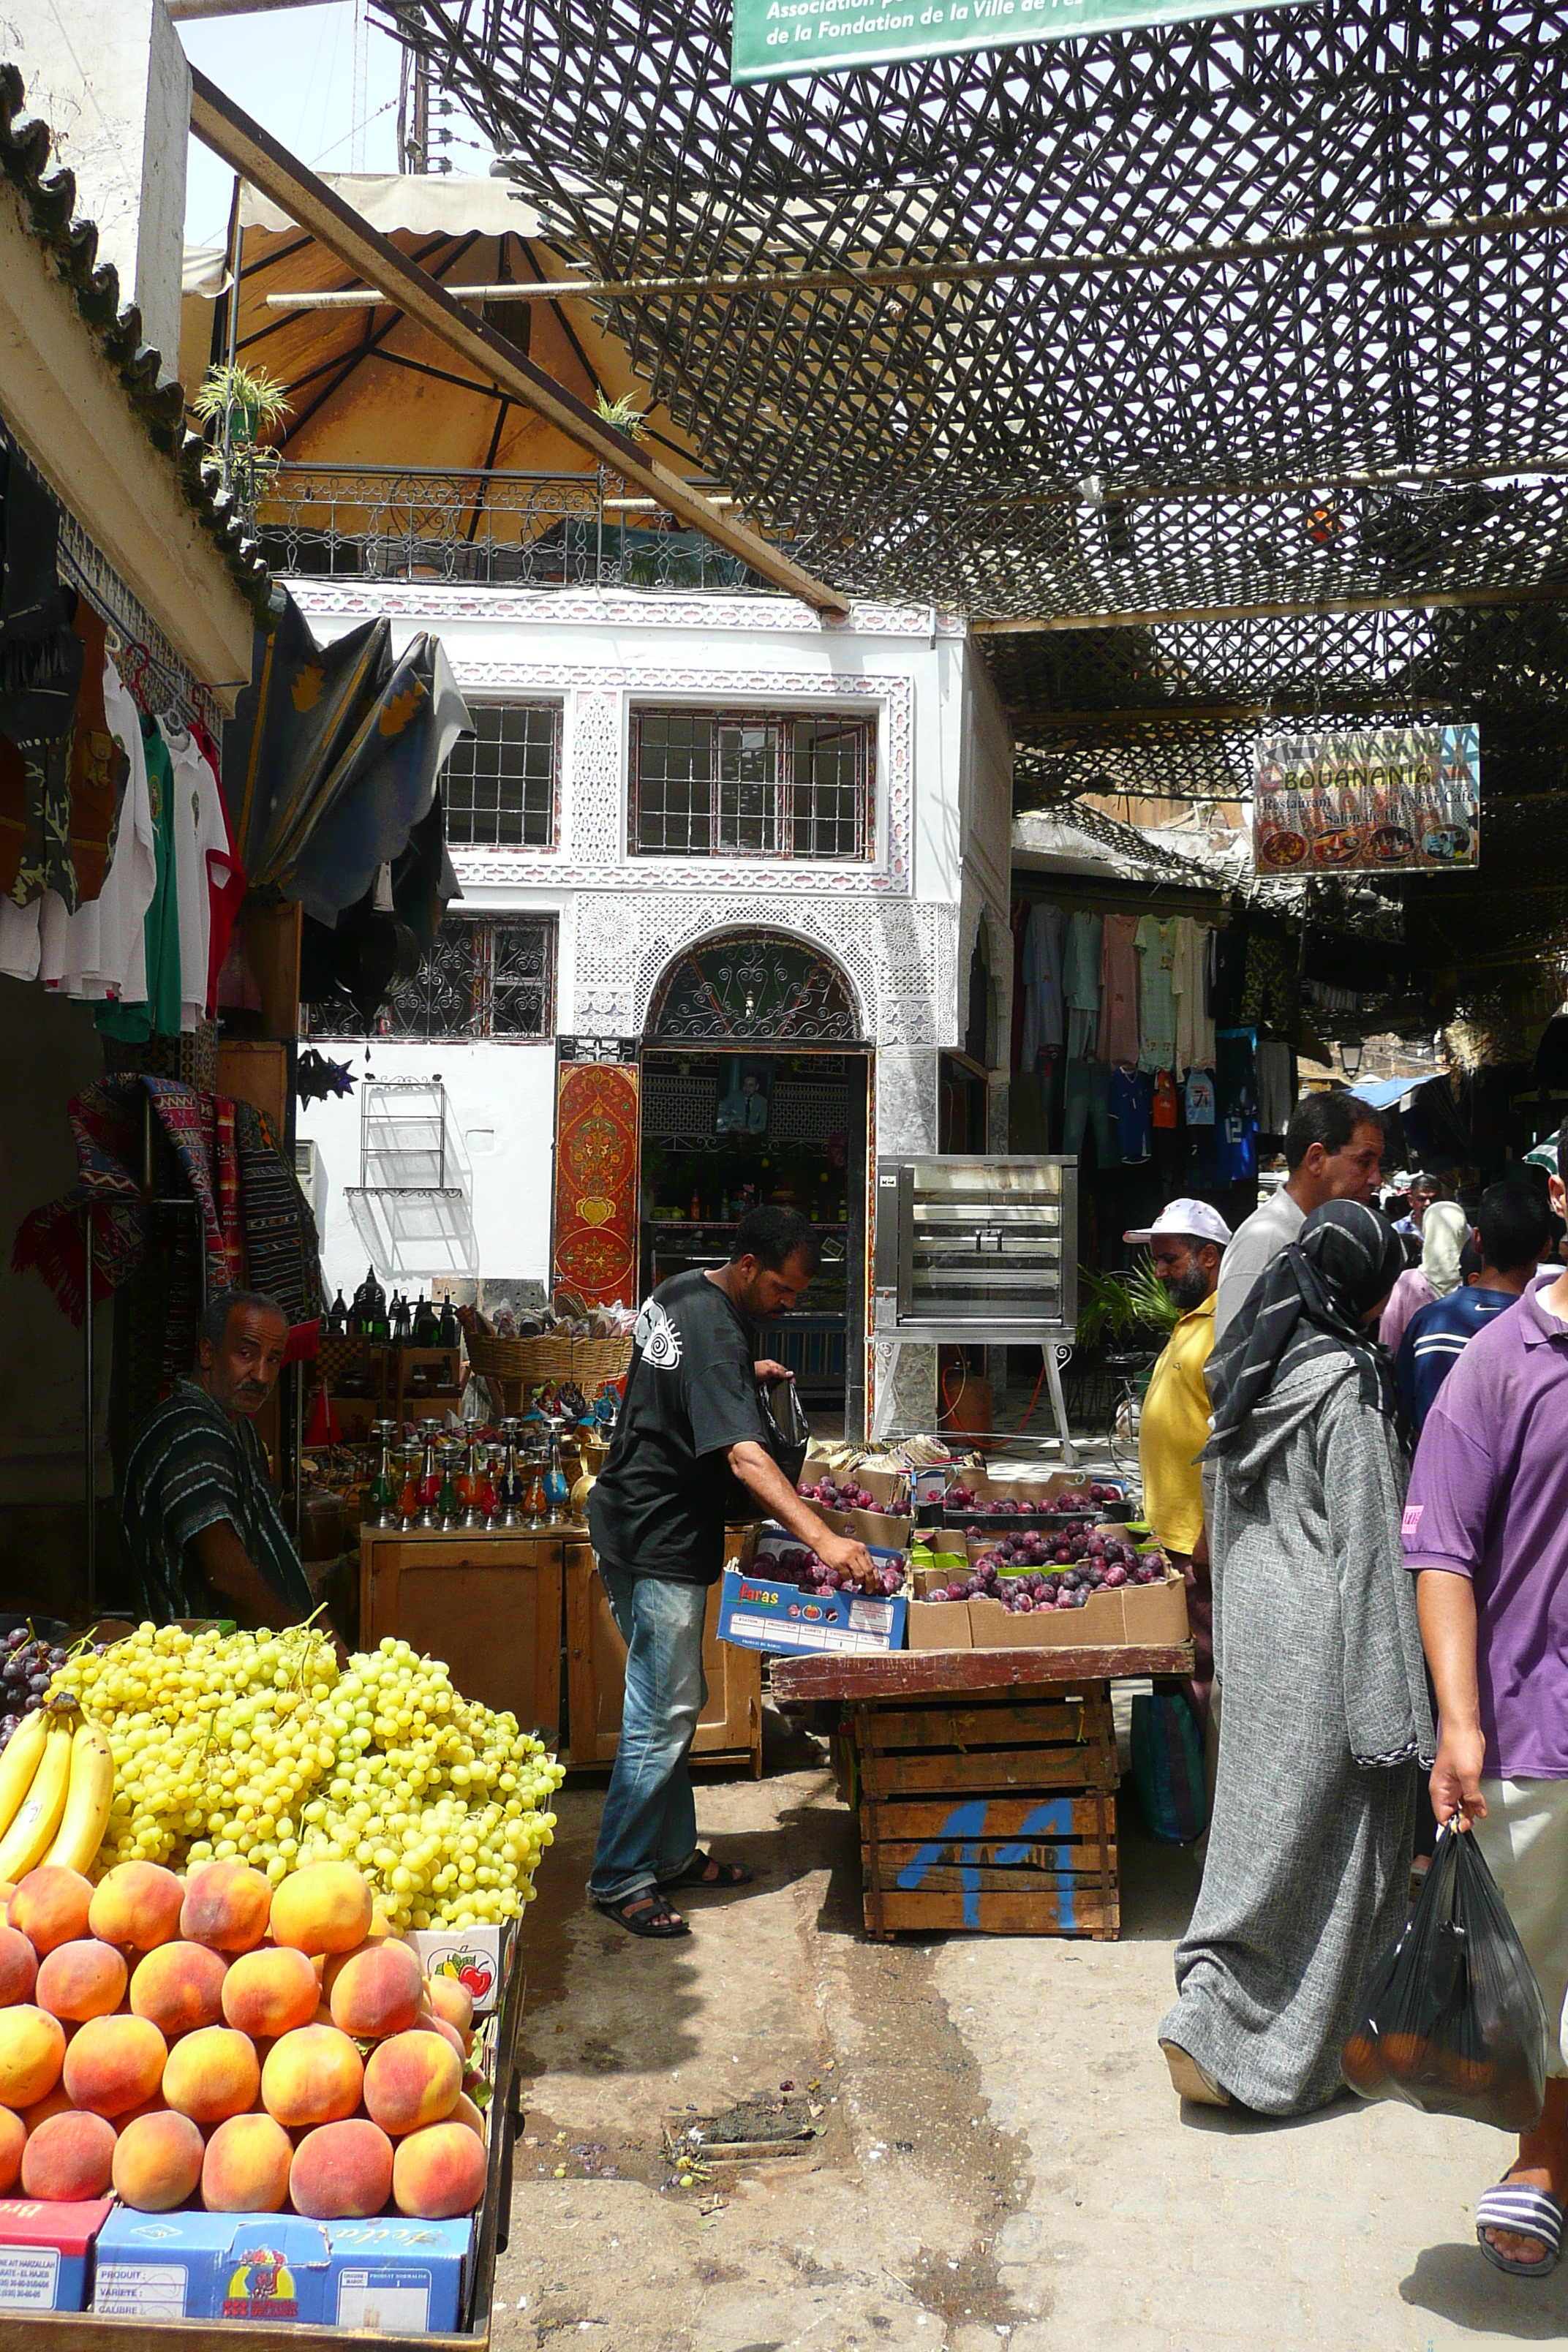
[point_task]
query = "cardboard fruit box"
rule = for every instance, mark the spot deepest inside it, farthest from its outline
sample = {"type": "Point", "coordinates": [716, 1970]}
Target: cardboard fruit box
{"type": "Point", "coordinates": [1042, 1495]}
{"type": "Point", "coordinates": [890, 1488]}
{"type": "Point", "coordinates": [763, 1611]}
{"type": "Point", "coordinates": [880, 1530]}
{"type": "Point", "coordinates": [1137, 1616]}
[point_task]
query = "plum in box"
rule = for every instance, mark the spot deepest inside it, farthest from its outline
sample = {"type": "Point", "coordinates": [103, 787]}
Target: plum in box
{"type": "Point", "coordinates": [760, 1612]}
{"type": "Point", "coordinates": [1135, 1616]}
{"type": "Point", "coordinates": [45, 2252]}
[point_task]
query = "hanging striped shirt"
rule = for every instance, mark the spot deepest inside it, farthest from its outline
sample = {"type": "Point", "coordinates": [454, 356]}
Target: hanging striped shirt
{"type": "Point", "coordinates": [189, 1467]}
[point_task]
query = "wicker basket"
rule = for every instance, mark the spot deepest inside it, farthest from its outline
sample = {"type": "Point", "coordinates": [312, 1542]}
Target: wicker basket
{"type": "Point", "coordinates": [542, 1358]}
{"type": "Point", "coordinates": [593, 1361]}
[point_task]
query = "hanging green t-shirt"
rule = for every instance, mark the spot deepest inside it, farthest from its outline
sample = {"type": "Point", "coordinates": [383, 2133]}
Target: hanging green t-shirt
{"type": "Point", "coordinates": [160, 1015]}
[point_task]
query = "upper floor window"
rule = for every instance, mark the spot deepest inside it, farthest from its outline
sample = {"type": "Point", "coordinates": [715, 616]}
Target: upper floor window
{"type": "Point", "coordinates": [714, 783]}
{"type": "Point", "coordinates": [501, 783]}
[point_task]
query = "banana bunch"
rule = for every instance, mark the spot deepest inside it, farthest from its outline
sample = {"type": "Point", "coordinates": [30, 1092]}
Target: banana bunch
{"type": "Point", "coordinates": [57, 1785]}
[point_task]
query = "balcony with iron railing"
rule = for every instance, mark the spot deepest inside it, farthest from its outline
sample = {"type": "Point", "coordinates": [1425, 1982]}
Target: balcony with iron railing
{"type": "Point", "coordinates": [510, 530]}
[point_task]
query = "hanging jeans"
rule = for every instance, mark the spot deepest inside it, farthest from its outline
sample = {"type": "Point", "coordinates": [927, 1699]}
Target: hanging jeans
{"type": "Point", "coordinates": [648, 1828]}
{"type": "Point", "coordinates": [1088, 1098]}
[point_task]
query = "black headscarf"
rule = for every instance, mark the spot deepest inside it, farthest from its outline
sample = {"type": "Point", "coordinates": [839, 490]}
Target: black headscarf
{"type": "Point", "coordinates": [1309, 1301]}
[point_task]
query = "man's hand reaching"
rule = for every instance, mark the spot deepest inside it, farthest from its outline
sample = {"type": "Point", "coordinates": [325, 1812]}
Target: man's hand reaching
{"type": "Point", "coordinates": [769, 1371]}
{"type": "Point", "coordinates": [849, 1557]}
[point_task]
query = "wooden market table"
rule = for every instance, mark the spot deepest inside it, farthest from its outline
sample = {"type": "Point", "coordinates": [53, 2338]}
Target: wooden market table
{"type": "Point", "coordinates": [985, 1781]}
{"type": "Point", "coordinates": [488, 1601]}
{"type": "Point", "coordinates": [493, 1603]}
{"type": "Point", "coordinates": [730, 1728]}
{"type": "Point", "coordinates": [86, 2331]}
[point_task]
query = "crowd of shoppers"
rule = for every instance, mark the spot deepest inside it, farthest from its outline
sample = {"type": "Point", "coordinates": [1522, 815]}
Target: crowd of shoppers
{"type": "Point", "coordinates": [1350, 1584]}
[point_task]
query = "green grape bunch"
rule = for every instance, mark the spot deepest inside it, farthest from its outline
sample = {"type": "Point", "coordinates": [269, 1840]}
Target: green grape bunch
{"type": "Point", "coordinates": [257, 1748]}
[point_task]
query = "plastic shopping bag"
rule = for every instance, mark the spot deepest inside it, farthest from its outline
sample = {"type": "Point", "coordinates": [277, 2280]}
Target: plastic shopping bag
{"type": "Point", "coordinates": [786, 1429]}
{"type": "Point", "coordinates": [1454, 2022]}
{"type": "Point", "coordinates": [1168, 1767]}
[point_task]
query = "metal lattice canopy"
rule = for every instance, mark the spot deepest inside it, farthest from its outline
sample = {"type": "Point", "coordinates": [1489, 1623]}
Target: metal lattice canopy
{"type": "Point", "coordinates": [1219, 363]}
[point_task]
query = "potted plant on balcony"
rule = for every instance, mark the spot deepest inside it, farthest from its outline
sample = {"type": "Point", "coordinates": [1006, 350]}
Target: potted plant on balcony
{"type": "Point", "coordinates": [235, 406]}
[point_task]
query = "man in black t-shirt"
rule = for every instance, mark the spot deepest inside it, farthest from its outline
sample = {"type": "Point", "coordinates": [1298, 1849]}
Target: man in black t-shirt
{"type": "Point", "coordinates": [689, 1455]}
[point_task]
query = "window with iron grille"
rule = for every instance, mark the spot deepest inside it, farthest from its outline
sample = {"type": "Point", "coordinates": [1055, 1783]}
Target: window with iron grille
{"type": "Point", "coordinates": [708, 783]}
{"type": "Point", "coordinates": [500, 785]}
{"type": "Point", "coordinates": [483, 978]}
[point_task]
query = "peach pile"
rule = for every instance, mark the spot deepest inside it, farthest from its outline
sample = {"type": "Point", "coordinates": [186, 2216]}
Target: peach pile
{"type": "Point", "coordinates": [211, 2040]}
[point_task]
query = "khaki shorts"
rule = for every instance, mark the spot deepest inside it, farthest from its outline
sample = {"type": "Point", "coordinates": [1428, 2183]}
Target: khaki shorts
{"type": "Point", "coordinates": [1524, 1838]}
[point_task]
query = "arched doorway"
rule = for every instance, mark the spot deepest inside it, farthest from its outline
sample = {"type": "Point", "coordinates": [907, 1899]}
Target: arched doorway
{"type": "Point", "coordinates": [755, 1089]}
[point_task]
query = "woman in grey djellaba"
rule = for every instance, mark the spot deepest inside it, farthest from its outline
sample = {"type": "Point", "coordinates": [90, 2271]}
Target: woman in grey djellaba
{"type": "Point", "coordinates": [1318, 1653]}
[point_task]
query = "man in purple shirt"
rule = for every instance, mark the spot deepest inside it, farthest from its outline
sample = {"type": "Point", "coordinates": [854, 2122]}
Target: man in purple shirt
{"type": "Point", "coordinates": [1486, 1533]}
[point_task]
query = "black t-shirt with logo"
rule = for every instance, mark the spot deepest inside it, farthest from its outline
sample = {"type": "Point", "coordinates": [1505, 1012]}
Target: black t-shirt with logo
{"type": "Point", "coordinates": [659, 1503]}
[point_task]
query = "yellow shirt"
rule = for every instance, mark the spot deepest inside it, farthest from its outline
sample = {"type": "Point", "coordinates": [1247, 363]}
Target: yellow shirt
{"type": "Point", "coordinates": [1173, 1430]}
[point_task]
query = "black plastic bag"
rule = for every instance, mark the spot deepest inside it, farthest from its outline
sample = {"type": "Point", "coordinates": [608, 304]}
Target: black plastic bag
{"type": "Point", "coordinates": [1454, 2023]}
{"type": "Point", "coordinates": [786, 1429]}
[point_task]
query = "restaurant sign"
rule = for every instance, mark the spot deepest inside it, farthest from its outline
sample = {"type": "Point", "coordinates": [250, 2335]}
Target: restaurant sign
{"type": "Point", "coordinates": [1378, 800]}
{"type": "Point", "coordinates": [773, 38]}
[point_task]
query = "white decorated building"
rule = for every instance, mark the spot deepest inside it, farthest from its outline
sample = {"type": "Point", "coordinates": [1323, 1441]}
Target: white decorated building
{"type": "Point", "coordinates": [711, 848]}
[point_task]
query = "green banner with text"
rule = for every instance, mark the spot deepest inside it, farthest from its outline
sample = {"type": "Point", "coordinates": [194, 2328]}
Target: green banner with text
{"type": "Point", "coordinates": [773, 38]}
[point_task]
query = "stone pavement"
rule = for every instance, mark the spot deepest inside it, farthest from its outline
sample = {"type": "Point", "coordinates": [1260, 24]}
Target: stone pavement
{"type": "Point", "coordinates": [1001, 2160]}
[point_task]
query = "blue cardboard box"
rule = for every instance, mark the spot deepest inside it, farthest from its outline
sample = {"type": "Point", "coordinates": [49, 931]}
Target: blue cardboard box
{"type": "Point", "coordinates": [161, 2266]}
{"type": "Point", "coordinates": [757, 1612]}
{"type": "Point", "coordinates": [391, 2275]}
{"type": "Point", "coordinates": [400, 2277]}
{"type": "Point", "coordinates": [46, 2252]}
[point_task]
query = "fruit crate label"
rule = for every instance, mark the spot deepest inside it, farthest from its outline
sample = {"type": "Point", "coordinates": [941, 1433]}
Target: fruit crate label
{"type": "Point", "coordinates": [393, 2302]}
{"type": "Point", "coordinates": [150, 2290]}
{"type": "Point", "coordinates": [29, 2277]}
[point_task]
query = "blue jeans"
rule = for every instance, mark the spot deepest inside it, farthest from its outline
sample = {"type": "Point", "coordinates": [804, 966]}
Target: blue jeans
{"type": "Point", "coordinates": [1087, 1099]}
{"type": "Point", "coordinates": [648, 1828]}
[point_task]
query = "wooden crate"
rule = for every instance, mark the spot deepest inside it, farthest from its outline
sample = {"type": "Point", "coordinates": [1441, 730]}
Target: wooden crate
{"type": "Point", "coordinates": [490, 1604]}
{"type": "Point", "coordinates": [732, 1722]}
{"type": "Point", "coordinates": [996, 1815]}
{"type": "Point", "coordinates": [86, 2331]}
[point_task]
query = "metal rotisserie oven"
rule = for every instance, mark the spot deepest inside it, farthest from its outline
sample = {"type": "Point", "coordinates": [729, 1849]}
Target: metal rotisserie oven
{"type": "Point", "coordinates": [981, 1248]}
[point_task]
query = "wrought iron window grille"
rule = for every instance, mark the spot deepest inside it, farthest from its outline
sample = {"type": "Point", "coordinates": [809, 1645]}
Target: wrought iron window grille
{"type": "Point", "coordinates": [483, 980]}
{"type": "Point", "coordinates": [753, 989]}
{"type": "Point", "coordinates": [716, 783]}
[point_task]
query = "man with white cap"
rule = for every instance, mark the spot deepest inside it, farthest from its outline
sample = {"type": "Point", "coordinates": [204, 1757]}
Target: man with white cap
{"type": "Point", "coordinates": [1186, 1241]}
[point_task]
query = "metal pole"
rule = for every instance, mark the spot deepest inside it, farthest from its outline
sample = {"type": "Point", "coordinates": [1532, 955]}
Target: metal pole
{"type": "Point", "coordinates": [1058, 1405]}
{"type": "Point", "coordinates": [90, 1425]}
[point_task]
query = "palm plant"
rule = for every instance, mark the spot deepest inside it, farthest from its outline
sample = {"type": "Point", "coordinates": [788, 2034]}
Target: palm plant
{"type": "Point", "coordinates": [242, 403]}
{"type": "Point", "coordinates": [1115, 1306]}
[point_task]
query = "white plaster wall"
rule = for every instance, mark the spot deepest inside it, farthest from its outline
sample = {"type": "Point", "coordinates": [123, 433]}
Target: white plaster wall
{"type": "Point", "coordinates": [505, 1093]}
{"type": "Point", "coordinates": [110, 80]}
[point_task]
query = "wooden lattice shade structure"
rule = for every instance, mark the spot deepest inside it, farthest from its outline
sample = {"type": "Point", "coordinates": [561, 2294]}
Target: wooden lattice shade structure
{"type": "Point", "coordinates": [1218, 364]}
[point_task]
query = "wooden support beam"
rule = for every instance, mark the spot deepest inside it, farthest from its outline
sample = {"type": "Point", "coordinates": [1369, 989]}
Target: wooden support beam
{"type": "Point", "coordinates": [1446, 228]}
{"type": "Point", "coordinates": [250, 150]}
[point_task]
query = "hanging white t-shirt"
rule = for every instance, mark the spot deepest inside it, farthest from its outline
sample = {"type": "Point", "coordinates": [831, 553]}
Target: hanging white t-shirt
{"type": "Point", "coordinates": [99, 951]}
{"type": "Point", "coordinates": [200, 833]}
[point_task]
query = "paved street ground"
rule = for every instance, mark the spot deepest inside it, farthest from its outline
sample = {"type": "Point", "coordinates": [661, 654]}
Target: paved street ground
{"type": "Point", "coordinates": [1001, 2160]}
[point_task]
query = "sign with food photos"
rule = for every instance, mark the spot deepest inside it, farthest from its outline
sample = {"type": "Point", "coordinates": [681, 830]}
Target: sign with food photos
{"type": "Point", "coordinates": [1373, 800]}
